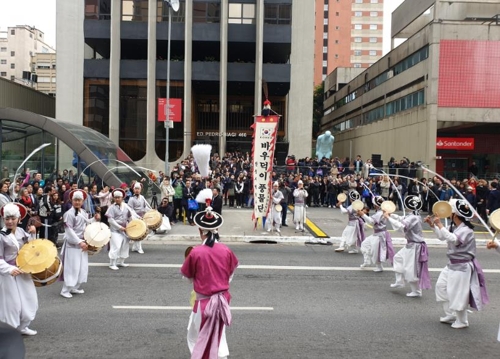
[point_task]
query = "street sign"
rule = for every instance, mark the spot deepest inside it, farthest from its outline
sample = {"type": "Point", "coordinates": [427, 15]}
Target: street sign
{"type": "Point", "coordinates": [175, 114]}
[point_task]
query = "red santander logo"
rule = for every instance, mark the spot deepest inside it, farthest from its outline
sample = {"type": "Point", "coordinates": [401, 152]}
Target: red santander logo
{"type": "Point", "coordinates": [455, 143]}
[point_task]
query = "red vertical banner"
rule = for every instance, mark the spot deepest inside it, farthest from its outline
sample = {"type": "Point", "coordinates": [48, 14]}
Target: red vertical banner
{"type": "Point", "coordinates": [265, 131]}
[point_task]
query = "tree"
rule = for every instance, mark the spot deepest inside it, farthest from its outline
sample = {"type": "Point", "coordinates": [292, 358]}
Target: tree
{"type": "Point", "coordinates": [317, 109]}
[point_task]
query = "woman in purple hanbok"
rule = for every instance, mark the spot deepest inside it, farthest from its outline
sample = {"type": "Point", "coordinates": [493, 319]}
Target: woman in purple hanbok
{"type": "Point", "coordinates": [410, 263]}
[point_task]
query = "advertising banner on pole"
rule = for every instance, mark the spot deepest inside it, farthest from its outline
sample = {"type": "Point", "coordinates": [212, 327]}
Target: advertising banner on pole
{"type": "Point", "coordinates": [265, 131]}
{"type": "Point", "coordinates": [175, 113]}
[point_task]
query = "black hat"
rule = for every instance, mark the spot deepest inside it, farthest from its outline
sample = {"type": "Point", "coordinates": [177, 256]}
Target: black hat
{"type": "Point", "coordinates": [461, 208]}
{"type": "Point", "coordinates": [413, 203]}
{"type": "Point", "coordinates": [353, 195]}
{"type": "Point", "coordinates": [208, 219]}
{"type": "Point", "coordinates": [378, 200]}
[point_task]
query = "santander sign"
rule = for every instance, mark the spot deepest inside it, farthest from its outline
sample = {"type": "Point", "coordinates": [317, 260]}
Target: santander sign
{"type": "Point", "coordinates": [455, 143]}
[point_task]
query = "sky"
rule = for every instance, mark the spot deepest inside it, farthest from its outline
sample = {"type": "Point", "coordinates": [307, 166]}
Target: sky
{"type": "Point", "coordinates": [42, 15]}
{"type": "Point", "coordinates": [38, 13]}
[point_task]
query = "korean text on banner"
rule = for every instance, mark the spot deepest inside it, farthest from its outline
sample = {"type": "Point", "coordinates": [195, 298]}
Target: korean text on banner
{"type": "Point", "coordinates": [264, 141]}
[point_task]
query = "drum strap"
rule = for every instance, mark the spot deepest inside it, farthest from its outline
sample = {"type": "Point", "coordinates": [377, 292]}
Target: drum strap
{"type": "Point", "coordinates": [54, 276]}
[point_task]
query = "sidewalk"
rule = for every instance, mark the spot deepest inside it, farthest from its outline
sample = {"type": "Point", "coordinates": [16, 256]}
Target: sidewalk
{"type": "Point", "coordinates": [238, 227]}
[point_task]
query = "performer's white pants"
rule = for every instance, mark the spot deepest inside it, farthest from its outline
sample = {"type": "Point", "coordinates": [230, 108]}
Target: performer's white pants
{"type": "Point", "coordinates": [119, 246]}
{"type": "Point", "coordinates": [194, 329]}
{"type": "Point", "coordinates": [374, 249]}
{"type": "Point", "coordinates": [404, 265]}
{"type": "Point", "coordinates": [454, 286]}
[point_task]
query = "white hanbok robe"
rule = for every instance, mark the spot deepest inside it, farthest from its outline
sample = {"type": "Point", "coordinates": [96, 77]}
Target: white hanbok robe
{"type": "Point", "coordinates": [377, 248]}
{"type": "Point", "coordinates": [299, 209]}
{"type": "Point", "coordinates": [75, 260]}
{"type": "Point", "coordinates": [275, 216]}
{"type": "Point", "coordinates": [18, 297]}
{"type": "Point", "coordinates": [119, 216]}
{"type": "Point", "coordinates": [353, 234]}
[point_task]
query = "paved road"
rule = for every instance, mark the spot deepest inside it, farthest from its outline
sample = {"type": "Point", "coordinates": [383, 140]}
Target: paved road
{"type": "Point", "coordinates": [323, 306]}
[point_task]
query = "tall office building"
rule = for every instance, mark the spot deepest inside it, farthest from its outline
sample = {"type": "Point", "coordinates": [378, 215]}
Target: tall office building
{"type": "Point", "coordinates": [17, 46]}
{"type": "Point", "coordinates": [111, 70]}
{"type": "Point", "coordinates": [348, 34]}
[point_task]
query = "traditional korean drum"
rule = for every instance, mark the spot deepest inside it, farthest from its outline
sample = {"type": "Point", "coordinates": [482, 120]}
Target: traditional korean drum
{"type": "Point", "coordinates": [341, 197]}
{"type": "Point", "coordinates": [495, 220]}
{"type": "Point", "coordinates": [97, 235]}
{"type": "Point", "coordinates": [39, 258]}
{"type": "Point", "coordinates": [442, 209]}
{"type": "Point", "coordinates": [358, 205]}
{"type": "Point", "coordinates": [136, 230]}
{"type": "Point", "coordinates": [153, 219]}
{"type": "Point", "coordinates": [388, 206]}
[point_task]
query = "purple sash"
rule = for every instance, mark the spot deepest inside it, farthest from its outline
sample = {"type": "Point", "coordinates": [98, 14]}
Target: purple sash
{"type": "Point", "coordinates": [361, 232]}
{"type": "Point", "coordinates": [482, 287]}
{"type": "Point", "coordinates": [422, 267]}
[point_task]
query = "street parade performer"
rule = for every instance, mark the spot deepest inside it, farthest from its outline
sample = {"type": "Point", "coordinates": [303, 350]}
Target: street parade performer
{"type": "Point", "coordinates": [119, 215]}
{"type": "Point", "coordinates": [354, 233]}
{"type": "Point", "coordinates": [18, 297]}
{"type": "Point", "coordinates": [75, 250]}
{"type": "Point", "coordinates": [140, 206]}
{"type": "Point", "coordinates": [210, 268]}
{"type": "Point", "coordinates": [299, 209]}
{"type": "Point", "coordinates": [410, 263]}
{"type": "Point", "coordinates": [274, 217]}
{"type": "Point", "coordinates": [377, 248]}
{"type": "Point", "coordinates": [461, 283]}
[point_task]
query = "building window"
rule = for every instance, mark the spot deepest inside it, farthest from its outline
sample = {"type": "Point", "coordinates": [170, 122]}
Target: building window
{"type": "Point", "coordinates": [357, 66]}
{"type": "Point", "coordinates": [358, 39]}
{"type": "Point", "coordinates": [325, 14]}
{"type": "Point", "coordinates": [135, 10]}
{"type": "Point", "coordinates": [373, 27]}
{"type": "Point", "coordinates": [280, 14]}
{"type": "Point", "coordinates": [325, 49]}
{"type": "Point", "coordinates": [374, 1]}
{"type": "Point", "coordinates": [3, 73]}
{"type": "Point", "coordinates": [359, 1]}
{"type": "Point", "coordinates": [12, 53]}
{"type": "Point", "coordinates": [325, 71]}
{"type": "Point", "coordinates": [373, 39]}
{"type": "Point", "coordinates": [31, 35]}
{"type": "Point", "coordinates": [208, 12]}
{"type": "Point", "coordinates": [325, 42]}
{"type": "Point", "coordinates": [241, 13]}
{"type": "Point", "coordinates": [337, 14]}
{"type": "Point", "coordinates": [325, 21]}
{"type": "Point", "coordinates": [3, 49]}
{"type": "Point", "coordinates": [3, 62]}
{"type": "Point", "coordinates": [357, 52]}
{"type": "Point", "coordinates": [358, 26]}
{"type": "Point", "coordinates": [358, 13]}
{"type": "Point", "coordinates": [12, 78]}
{"type": "Point", "coordinates": [12, 32]}
{"type": "Point", "coordinates": [325, 63]}
{"type": "Point", "coordinates": [98, 9]}
{"type": "Point", "coordinates": [12, 66]}
{"type": "Point", "coordinates": [373, 53]}
{"type": "Point", "coordinates": [337, 27]}
{"type": "Point", "coordinates": [325, 35]}
{"type": "Point", "coordinates": [325, 57]}
{"type": "Point", "coordinates": [373, 13]}
{"type": "Point", "coordinates": [336, 56]}
{"type": "Point", "coordinates": [336, 41]}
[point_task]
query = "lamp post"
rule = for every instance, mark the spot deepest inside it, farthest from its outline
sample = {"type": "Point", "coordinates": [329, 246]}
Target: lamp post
{"type": "Point", "coordinates": [172, 5]}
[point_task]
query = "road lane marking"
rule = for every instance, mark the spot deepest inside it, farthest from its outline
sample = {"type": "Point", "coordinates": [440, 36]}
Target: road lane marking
{"type": "Point", "coordinates": [312, 227]}
{"type": "Point", "coordinates": [146, 307]}
{"type": "Point", "coordinates": [272, 267]}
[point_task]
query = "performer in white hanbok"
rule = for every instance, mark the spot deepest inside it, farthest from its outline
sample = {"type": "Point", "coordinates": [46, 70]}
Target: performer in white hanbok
{"type": "Point", "coordinates": [354, 233]}
{"type": "Point", "coordinates": [410, 263]}
{"type": "Point", "coordinates": [461, 283]}
{"type": "Point", "coordinates": [274, 217]}
{"type": "Point", "coordinates": [140, 206]}
{"type": "Point", "coordinates": [377, 248]}
{"type": "Point", "coordinates": [18, 298]}
{"type": "Point", "coordinates": [299, 209]}
{"type": "Point", "coordinates": [74, 251]}
{"type": "Point", "coordinates": [210, 267]}
{"type": "Point", "coordinates": [119, 214]}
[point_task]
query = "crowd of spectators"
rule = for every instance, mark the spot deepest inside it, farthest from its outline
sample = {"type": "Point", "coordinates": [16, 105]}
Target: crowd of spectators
{"type": "Point", "coordinates": [231, 182]}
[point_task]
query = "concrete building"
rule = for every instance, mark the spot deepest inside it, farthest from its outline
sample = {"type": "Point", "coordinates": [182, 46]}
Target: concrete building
{"type": "Point", "coordinates": [44, 67]}
{"type": "Point", "coordinates": [435, 98]}
{"type": "Point", "coordinates": [348, 34]}
{"type": "Point", "coordinates": [17, 46]}
{"type": "Point", "coordinates": [111, 69]}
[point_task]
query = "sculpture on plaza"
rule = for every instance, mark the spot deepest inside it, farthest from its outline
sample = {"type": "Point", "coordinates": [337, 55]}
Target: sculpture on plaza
{"type": "Point", "coordinates": [324, 145]}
